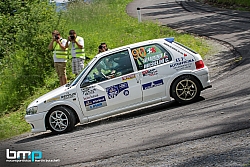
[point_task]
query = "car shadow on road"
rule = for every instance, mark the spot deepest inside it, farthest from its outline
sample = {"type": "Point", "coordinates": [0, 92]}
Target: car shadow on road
{"type": "Point", "coordinates": [36, 137]}
{"type": "Point", "coordinates": [137, 113]}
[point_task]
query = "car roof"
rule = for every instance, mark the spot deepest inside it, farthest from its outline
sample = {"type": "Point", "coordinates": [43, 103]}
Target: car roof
{"type": "Point", "coordinates": [131, 46]}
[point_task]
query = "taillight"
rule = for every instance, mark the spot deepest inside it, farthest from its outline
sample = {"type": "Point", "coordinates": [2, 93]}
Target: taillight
{"type": "Point", "coordinates": [199, 64]}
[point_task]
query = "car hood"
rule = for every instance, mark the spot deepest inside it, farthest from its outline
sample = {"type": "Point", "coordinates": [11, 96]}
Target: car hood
{"type": "Point", "coordinates": [50, 96]}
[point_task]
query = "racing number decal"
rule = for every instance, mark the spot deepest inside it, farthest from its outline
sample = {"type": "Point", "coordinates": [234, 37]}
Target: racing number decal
{"type": "Point", "coordinates": [139, 52]}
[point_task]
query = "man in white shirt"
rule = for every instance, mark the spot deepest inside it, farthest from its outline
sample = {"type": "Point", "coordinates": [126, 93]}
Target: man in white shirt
{"type": "Point", "coordinates": [76, 45]}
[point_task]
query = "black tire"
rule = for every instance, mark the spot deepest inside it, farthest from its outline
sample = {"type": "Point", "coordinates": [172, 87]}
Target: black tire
{"type": "Point", "coordinates": [186, 89]}
{"type": "Point", "coordinates": [61, 119]}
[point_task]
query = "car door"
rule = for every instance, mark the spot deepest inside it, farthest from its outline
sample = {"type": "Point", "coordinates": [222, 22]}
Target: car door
{"type": "Point", "coordinates": [112, 84]}
{"type": "Point", "coordinates": [149, 59]}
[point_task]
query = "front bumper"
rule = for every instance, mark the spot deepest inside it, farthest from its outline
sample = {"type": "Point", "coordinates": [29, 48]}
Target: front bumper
{"type": "Point", "coordinates": [37, 122]}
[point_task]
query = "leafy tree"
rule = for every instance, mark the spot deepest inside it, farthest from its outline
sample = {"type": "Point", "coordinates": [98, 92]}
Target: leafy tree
{"type": "Point", "coordinates": [26, 28]}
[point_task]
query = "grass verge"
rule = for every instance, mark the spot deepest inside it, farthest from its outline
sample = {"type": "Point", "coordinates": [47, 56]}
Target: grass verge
{"type": "Point", "coordinates": [14, 124]}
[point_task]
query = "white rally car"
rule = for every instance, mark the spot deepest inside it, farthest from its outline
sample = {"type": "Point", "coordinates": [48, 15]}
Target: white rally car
{"type": "Point", "coordinates": [122, 80]}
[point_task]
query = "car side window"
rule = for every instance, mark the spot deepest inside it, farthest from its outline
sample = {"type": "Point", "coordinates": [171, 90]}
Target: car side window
{"type": "Point", "coordinates": [109, 67]}
{"type": "Point", "coordinates": [150, 55]}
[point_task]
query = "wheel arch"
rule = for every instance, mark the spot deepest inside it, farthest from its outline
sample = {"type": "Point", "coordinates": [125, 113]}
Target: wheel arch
{"type": "Point", "coordinates": [66, 106]}
{"type": "Point", "coordinates": [171, 85]}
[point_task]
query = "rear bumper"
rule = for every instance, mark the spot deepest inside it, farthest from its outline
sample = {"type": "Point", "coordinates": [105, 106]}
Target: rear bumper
{"type": "Point", "coordinates": [203, 76]}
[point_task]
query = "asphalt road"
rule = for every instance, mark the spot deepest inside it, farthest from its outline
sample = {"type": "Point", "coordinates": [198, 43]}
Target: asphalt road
{"type": "Point", "coordinates": [224, 108]}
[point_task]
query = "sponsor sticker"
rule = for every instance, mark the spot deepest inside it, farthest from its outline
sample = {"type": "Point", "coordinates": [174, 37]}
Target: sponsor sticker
{"type": "Point", "coordinates": [150, 72]}
{"type": "Point", "coordinates": [114, 90]}
{"type": "Point", "coordinates": [52, 99]}
{"type": "Point", "coordinates": [126, 92]}
{"type": "Point", "coordinates": [181, 63]}
{"type": "Point", "coordinates": [151, 50]}
{"type": "Point", "coordinates": [152, 84]}
{"type": "Point", "coordinates": [177, 50]}
{"type": "Point", "coordinates": [95, 103]}
{"type": "Point", "coordinates": [155, 60]}
{"type": "Point", "coordinates": [68, 96]}
{"type": "Point", "coordinates": [128, 77]}
{"type": "Point", "coordinates": [88, 91]}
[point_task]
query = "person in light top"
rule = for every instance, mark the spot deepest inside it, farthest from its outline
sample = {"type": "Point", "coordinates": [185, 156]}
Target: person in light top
{"type": "Point", "coordinates": [76, 45]}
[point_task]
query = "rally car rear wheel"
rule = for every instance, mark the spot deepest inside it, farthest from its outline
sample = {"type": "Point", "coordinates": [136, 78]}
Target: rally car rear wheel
{"type": "Point", "coordinates": [186, 89]}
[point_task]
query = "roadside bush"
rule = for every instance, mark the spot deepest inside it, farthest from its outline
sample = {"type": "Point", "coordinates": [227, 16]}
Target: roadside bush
{"type": "Point", "coordinates": [24, 60]}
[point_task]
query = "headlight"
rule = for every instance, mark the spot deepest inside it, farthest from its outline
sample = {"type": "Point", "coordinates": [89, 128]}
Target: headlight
{"type": "Point", "coordinates": [31, 110]}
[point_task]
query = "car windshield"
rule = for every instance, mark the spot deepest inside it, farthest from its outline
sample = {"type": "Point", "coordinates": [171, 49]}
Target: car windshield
{"type": "Point", "coordinates": [73, 83]}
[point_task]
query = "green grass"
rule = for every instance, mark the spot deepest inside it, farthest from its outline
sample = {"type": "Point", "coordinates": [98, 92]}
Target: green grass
{"type": "Point", "coordinates": [14, 124]}
{"type": "Point", "coordinates": [105, 21]}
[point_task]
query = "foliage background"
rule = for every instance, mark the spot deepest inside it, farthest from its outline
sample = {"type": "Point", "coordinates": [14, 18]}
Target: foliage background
{"type": "Point", "coordinates": [24, 58]}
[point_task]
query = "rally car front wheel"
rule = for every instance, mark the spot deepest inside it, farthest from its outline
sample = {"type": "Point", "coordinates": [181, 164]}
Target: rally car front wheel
{"type": "Point", "coordinates": [61, 119]}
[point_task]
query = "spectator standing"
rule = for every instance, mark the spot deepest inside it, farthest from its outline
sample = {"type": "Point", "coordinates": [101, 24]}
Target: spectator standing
{"type": "Point", "coordinates": [102, 47]}
{"type": "Point", "coordinates": [76, 45]}
{"type": "Point", "coordinates": [60, 55]}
